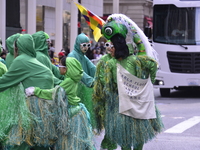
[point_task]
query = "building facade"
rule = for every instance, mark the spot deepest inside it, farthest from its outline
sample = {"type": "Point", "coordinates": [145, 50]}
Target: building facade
{"type": "Point", "coordinates": [140, 11]}
{"type": "Point", "coordinates": [59, 18]}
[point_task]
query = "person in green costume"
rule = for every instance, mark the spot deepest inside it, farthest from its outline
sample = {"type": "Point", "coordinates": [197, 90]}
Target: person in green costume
{"type": "Point", "coordinates": [85, 90]}
{"type": "Point", "coordinates": [10, 47]}
{"type": "Point", "coordinates": [80, 48]}
{"type": "Point", "coordinates": [3, 68]}
{"type": "Point", "coordinates": [1, 47]}
{"type": "Point", "coordinates": [80, 134]}
{"type": "Point", "coordinates": [99, 98]}
{"type": "Point", "coordinates": [41, 40]}
{"type": "Point", "coordinates": [127, 131]}
{"type": "Point", "coordinates": [28, 71]}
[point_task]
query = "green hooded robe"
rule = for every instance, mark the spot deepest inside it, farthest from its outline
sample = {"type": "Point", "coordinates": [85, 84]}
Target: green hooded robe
{"type": "Point", "coordinates": [26, 68]}
{"type": "Point", "coordinates": [10, 46]}
{"type": "Point", "coordinates": [41, 48]}
{"type": "Point", "coordinates": [84, 89]}
{"type": "Point", "coordinates": [88, 67]}
{"type": "Point", "coordinates": [28, 71]}
{"type": "Point", "coordinates": [69, 84]}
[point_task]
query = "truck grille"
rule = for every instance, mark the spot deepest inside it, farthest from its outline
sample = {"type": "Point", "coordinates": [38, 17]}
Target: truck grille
{"type": "Point", "coordinates": [181, 62]}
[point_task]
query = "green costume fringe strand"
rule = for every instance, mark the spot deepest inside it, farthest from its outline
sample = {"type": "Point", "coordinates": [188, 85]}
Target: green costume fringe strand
{"type": "Point", "coordinates": [80, 136]}
{"type": "Point", "coordinates": [85, 94]}
{"type": "Point", "coordinates": [124, 130]}
{"type": "Point", "coordinates": [40, 122]}
{"type": "Point", "coordinates": [14, 115]}
{"type": "Point", "coordinates": [98, 97]}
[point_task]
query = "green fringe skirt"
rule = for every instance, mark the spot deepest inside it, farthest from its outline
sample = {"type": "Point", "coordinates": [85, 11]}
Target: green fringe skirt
{"type": "Point", "coordinates": [44, 123]}
{"type": "Point", "coordinates": [127, 131]}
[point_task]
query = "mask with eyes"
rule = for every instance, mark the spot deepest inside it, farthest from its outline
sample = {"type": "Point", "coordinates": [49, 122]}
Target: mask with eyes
{"type": "Point", "coordinates": [84, 47]}
{"type": "Point", "coordinates": [112, 28]}
{"type": "Point", "coordinates": [108, 47]}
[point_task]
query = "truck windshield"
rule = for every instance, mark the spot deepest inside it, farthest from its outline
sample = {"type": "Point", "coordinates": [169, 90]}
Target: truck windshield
{"type": "Point", "coordinates": [173, 25]}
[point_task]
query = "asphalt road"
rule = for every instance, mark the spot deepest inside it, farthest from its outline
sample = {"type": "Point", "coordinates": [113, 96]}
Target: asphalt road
{"type": "Point", "coordinates": [181, 117]}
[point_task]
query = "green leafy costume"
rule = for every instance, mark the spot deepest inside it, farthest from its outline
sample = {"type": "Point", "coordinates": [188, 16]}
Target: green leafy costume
{"type": "Point", "coordinates": [99, 97]}
{"type": "Point", "coordinates": [30, 121]}
{"type": "Point", "coordinates": [42, 55]}
{"type": "Point", "coordinates": [84, 89]}
{"type": "Point", "coordinates": [10, 46]}
{"type": "Point", "coordinates": [125, 130]}
{"type": "Point", "coordinates": [121, 129]}
{"type": "Point", "coordinates": [80, 130]}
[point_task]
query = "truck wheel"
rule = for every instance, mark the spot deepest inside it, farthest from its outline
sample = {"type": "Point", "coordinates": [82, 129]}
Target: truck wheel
{"type": "Point", "coordinates": [164, 92]}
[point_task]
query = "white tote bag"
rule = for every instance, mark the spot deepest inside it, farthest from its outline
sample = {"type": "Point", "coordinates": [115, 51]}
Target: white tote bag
{"type": "Point", "coordinates": [136, 96]}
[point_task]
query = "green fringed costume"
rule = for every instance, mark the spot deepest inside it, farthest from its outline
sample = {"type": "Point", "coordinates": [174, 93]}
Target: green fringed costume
{"type": "Point", "coordinates": [19, 120]}
{"type": "Point", "coordinates": [125, 130]}
{"type": "Point", "coordinates": [80, 136]}
{"type": "Point", "coordinates": [120, 129]}
{"type": "Point", "coordinates": [85, 89]}
{"type": "Point", "coordinates": [98, 97]}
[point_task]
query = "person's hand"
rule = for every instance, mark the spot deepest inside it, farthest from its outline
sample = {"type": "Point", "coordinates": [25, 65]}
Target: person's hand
{"type": "Point", "coordinates": [29, 91]}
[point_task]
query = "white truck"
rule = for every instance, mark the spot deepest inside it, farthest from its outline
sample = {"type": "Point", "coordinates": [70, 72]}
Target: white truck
{"type": "Point", "coordinates": [176, 38]}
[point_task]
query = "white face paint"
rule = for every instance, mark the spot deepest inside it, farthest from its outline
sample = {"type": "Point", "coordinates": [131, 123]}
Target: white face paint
{"type": "Point", "coordinates": [84, 47]}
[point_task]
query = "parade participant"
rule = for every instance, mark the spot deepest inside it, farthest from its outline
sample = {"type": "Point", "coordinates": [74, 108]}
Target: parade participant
{"type": "Point", "coordinates": [42, 43]}
{"type": "Point", "coordinates": [99, 98]}
{"type": "Point", "coordinates": [28, 71]}
{"type": "Point", "coordinates": [128, 127]}
{"type": "Point", "coordinates": [10, 46]}
{"type": "Point", "coordinates": [81, 46]}
{"type": "Point", "coordinates": [3, 68]}
{"type": "Point", "coordinates": [80, 134]}
{"type": "Point", "coordinates": [3, 53]}
{"type": "Point", "coordinates": [85, 90]}
{"type": "Point", "coordinates": [99, 93]}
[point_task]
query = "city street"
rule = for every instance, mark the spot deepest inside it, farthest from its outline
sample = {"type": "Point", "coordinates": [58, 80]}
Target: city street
{"type": "Point", "coordinates": [181, 117]}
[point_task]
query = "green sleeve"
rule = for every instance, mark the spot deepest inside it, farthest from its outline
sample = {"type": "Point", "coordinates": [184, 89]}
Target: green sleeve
{"type": "Point", "coordinates": [150, 66]}
{"type": "Point", "coordinates": [56, 81]}
{"type": "Point", "coordinates": [44, 93]}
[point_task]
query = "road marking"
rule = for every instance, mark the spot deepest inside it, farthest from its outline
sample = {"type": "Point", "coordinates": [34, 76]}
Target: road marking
{"type": "Point", "coordinates": [181, 127]}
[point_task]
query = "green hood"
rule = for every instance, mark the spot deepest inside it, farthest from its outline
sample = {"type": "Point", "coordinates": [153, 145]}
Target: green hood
{"type": "Point", "coordinates": [10, 42]}
{"type": "Point", "coordinates": [26, 45]}
{"type": "Point", "coordinates": [40, 42]}
{"type": "Point", "coordinates": [81, 38]}
{"type": "Point", "coordinates": [74, 69]}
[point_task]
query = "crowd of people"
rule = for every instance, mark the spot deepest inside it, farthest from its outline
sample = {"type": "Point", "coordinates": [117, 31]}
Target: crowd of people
{"type": "Point", "coordinates": [47, 106]}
